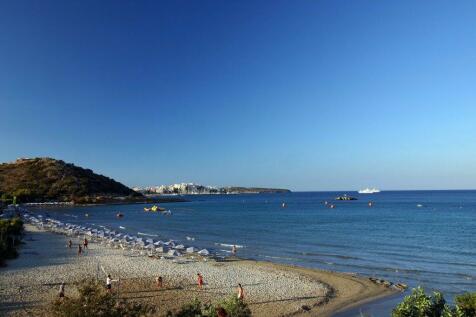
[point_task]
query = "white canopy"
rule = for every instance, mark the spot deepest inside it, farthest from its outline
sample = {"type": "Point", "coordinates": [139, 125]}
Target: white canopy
{"type": "Point", "coordinates": [173, 253]}
{"type": "Point", "coordinates": [161, 249]}
{"type": "Point", "coordinates": [204, 252]}
{"type": "Point", "coordinates": [191, 250]}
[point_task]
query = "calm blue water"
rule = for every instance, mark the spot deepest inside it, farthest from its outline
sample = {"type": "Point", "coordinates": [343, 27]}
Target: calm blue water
{"type": "Point", "coordinates": [433, 245]}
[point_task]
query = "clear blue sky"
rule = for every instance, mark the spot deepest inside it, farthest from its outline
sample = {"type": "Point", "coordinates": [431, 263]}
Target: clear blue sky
{"type": "Point", "coordinates": [308, 95]}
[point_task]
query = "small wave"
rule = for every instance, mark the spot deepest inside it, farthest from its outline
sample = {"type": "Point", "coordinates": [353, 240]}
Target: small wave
{"type": "Point", "coordinates": [339, 256]}
{"type": "Point", "coordinates": [190, 238]}
{"type": "Point", "coordinates": [147, 234]}
{"type": "Point", "coordinates": [121, 227]}
{"type": "Point", "coordinates": [227, 251]}
{"type": "Point", "coordinates": [229, 245]}
{"type": "Point", "coordinates": [277, 257]}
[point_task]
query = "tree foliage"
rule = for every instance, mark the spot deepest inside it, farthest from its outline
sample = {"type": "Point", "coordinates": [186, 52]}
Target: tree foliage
{"type": "Point", "coordinates": [419, 304]}
{"type": "Point", "coordinates": [232, 305]}
{"type": "Point", "coordinates": [467, 303]}
{"type": "Point", "coordinates": [11, 231]}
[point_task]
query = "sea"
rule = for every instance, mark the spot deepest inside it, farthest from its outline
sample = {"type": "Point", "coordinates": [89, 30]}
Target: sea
{"type": "Point", "coordinates": [425, 238]}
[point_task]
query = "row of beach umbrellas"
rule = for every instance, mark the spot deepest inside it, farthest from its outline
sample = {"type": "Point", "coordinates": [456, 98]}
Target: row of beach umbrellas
{"type": "Point", "coordinates": [171, 248]}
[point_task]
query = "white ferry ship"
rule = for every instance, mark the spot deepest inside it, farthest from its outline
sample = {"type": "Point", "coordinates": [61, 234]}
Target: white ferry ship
{"type": "Point", "coordinates": [369, 191]}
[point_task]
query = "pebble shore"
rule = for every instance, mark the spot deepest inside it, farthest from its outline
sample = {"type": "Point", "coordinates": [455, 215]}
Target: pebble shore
{"type": "Point", "coordinates": [45, 262]}
{"type": "Point", "coordinates": [29, 283]}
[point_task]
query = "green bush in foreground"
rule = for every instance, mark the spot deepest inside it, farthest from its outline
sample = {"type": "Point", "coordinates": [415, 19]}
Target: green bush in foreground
{"type": "Point", "coordinates": [192, 309]}
{"type": "Point", "coordinates": [11, 231]}
{"type": "Point", "coordinates": [232, 305]}
{"type": "Point", "coordinates": [467, 303]}
{"type": "Point", "coordinates": [419, 304]}
{"type": "Point", "coordinates": [94, 300]}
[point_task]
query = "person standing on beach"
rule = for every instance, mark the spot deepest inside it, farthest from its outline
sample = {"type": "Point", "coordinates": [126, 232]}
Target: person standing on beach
{"type": "Point", "coordinates": [85, 243]}
{"type": "Point", "coordinates": [61, 291]}
{"type": "Point", "coordinates": [109, 281]}
{"type": "Point", "coordinates": [200, 280]}
{"type": "Point", "coordinates": [158, 280]}
{"type": "Point", "coordinates": [70, 244]}
{"type": "Point", "coordinates": [241, 292]}
{"type": "Point", "coordinates": [80, 250]}
{"type": "Point", "coordinates": [233, 250]}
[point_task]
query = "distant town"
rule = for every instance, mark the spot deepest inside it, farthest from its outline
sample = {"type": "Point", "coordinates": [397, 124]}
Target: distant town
{"type": "Point", "coordinates": [196, 189]}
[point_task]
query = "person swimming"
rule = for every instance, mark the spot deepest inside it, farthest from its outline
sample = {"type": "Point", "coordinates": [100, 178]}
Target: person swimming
{"type": "Point", "coordinates": [80, 249]}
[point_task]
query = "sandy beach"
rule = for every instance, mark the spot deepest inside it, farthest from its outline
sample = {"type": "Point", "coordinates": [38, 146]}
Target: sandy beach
{"type": "Point", "coordinates": [30, 282]}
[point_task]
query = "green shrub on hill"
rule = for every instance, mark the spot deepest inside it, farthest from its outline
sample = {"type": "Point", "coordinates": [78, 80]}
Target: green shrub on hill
{"type": "Point", "coordinates": [43, 179]}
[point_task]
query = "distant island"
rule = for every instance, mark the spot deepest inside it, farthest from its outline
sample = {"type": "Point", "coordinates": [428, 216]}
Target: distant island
{"type": "Point", "coordinates": [196, 189]}
{"type": "Point", "coordinates": [46, 179]}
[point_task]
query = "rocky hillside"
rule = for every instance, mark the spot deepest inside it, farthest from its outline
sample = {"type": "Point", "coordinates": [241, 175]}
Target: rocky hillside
{"type": "Point", "coordinates": [47, 179]}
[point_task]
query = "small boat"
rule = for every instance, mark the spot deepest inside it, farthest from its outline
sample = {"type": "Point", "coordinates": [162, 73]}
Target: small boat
{"type": "Point", "coordinates": [154, 208]}
{"type": "Point", "coordinates": [369, 191]}
{"type": "Point", "coordinates": [119, 215]}
{"type": "Point", "coordinates": [283, 205]}
{"type": "Point", "coordinates": [345, 197]}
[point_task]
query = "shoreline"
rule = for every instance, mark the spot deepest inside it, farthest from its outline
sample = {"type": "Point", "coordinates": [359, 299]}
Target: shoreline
{"type": "Point", "coordinates": [346, 291]}
{"type": "Point", "coordinates": [62, 204]}
{"type": "Point", "coordinates": [273, 289]}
